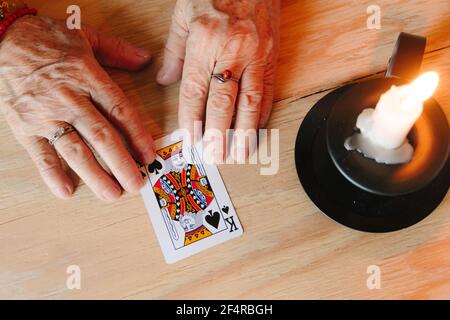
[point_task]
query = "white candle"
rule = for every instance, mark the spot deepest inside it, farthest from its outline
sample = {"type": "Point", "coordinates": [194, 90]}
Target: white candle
{"type": "Point", "coordinates": [396, 112]}
{"type": "Point", "coordinates": [383, 130]}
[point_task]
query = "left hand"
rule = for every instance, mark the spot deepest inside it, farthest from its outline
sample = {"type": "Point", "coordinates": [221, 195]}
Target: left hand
{"type": "Point", "coordinates": [210, 36]}
{"type": "Point", "coordinates": [50, 79]}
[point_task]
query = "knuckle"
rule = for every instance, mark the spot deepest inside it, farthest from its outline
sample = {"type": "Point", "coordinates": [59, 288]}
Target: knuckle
{"type": "Point", "coordinates": [250, 100]}
{"type": "Point", "coordinates": [76, 152]}
{"type": "Point", "coordinates": [59, 87]}
{"type": "Point", "coordinates": [75, 62]}
{"type": "Point", "coordinates": [219, 100]}
{"type": "Point", "coordinates": [177, 27]}
{"type": "Point", "coordinates": [205, 24]}
{"type": "Point", "coordinates": [80, 64]}
{"type": "Point", "coordinates": [101, 133]}
{"type": "Point", "coordinates": [104, 84]}
{"type": "Point", "coordinates": [241, 47]}
{"type": "Point", "coordinates": [193, 90]}
{"type": "Point", "coordinates": [46, 162]}
{"type": "Point", "coordinates": [119, 110]}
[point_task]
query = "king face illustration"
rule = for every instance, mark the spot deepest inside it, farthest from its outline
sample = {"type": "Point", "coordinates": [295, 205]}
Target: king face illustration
{"type": "Point", "coordinates": [184, 193]}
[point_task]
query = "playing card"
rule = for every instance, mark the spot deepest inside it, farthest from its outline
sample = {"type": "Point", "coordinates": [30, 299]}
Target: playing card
{"type": "Point", "coordinates": [187, 201]}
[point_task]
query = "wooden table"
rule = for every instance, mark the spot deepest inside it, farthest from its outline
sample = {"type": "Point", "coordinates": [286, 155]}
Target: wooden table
{"type": "Point", "coordinates": [290, 249]}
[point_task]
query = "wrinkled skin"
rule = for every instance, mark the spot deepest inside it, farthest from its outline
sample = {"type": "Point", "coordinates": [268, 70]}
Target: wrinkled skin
{"type": "Point", "coordinates": [50, 75]}
{"type": "Point", "coordinates": [210, 36]}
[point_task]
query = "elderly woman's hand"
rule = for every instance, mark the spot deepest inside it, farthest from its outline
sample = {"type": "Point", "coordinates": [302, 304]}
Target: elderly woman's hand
{"type": "Point", "coordinates": [50, 77]}
{"type": "Point", "coordinates": [210, 36]}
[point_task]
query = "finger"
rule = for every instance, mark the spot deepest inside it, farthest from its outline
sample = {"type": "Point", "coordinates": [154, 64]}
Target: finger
{"type": "Point", "coordinates": [116, 52]}
{"type": "Point", "coordinates": [250, 97]}
{"type": "Point", "coordinates": [272, 50]}
{"type": "Point", "coordinates": [219, 114]}
{"type": "Point", "coordinates": [269, 84]}
{"type": "Point", "coordinates": [81, 159]}
{"type": "Point", "coordinates": [248, 110]}
{"type": "Point", "coordinates": [49, 165]}
{"type": "Point", "coordinates": [222, 96]}
{"type": "Point", "coordinates": [113, 103]}
{"type": "Point", "coordinates": [196, 78]}
{"type": "Point", "coordinates": [175, 50]}
{"type": "Point", "coordinates": [99, 133]}
{"type": "Point", "coordinates": [267, 101]}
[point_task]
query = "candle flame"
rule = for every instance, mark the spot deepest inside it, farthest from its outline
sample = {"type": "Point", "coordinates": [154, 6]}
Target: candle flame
{"type": "Point", "coordinates": [423, 87]}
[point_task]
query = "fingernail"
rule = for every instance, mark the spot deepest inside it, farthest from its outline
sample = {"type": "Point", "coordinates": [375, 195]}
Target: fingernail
{"type": "Point", "coordinates": [64, 192]}
{"type": "Point", "coordinates": [162, 74]}
{"type": "Point", "coordinates": [135, 185]}
{"type": "Point", "coordinates": [147, 156]}
{"type": "Point", "coordinates": [112, 193]}
{"type": "Point", "coordinates": [150, 156]}
{"type": "Point", "coordinates": [143, 53]}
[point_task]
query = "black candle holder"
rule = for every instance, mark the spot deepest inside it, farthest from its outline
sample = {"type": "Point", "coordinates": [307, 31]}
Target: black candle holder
{"type": "Point", "coordinates": [357, 191]}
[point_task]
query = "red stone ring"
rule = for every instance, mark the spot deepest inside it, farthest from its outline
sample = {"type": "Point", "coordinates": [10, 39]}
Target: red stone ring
{"type": "Point", "coordinates": [226, 76]}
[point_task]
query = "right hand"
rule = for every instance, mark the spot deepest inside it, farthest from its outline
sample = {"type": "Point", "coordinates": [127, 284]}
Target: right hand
{"type": "Point", "coordinates": [50, 76]}
{"type": "Point", "coordinates": [208, 37]}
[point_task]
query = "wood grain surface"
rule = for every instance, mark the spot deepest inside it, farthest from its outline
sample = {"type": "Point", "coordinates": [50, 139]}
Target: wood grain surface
{"type": "Point", "coordinates": [289, 249]}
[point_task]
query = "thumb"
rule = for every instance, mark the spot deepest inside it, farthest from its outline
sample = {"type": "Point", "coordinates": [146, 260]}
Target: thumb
{"type": "Point", "coordinates": [175, 50]}
{"type": "Point", "coordinates": [116, 52]}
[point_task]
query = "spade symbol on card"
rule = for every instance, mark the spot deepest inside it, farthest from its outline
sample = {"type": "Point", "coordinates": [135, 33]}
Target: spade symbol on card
{"type": "Point", "coordinates": [213, 218]}
{"type": "Point", "coordinates": [225, 209]}
{"type": "Point", "coordinates": [155, 167]}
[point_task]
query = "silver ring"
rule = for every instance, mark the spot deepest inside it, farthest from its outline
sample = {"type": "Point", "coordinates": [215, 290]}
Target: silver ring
{"type": "Point", "coordinates": [61, 132]}
{"type": "Point", "coordinates": [225, 76]}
